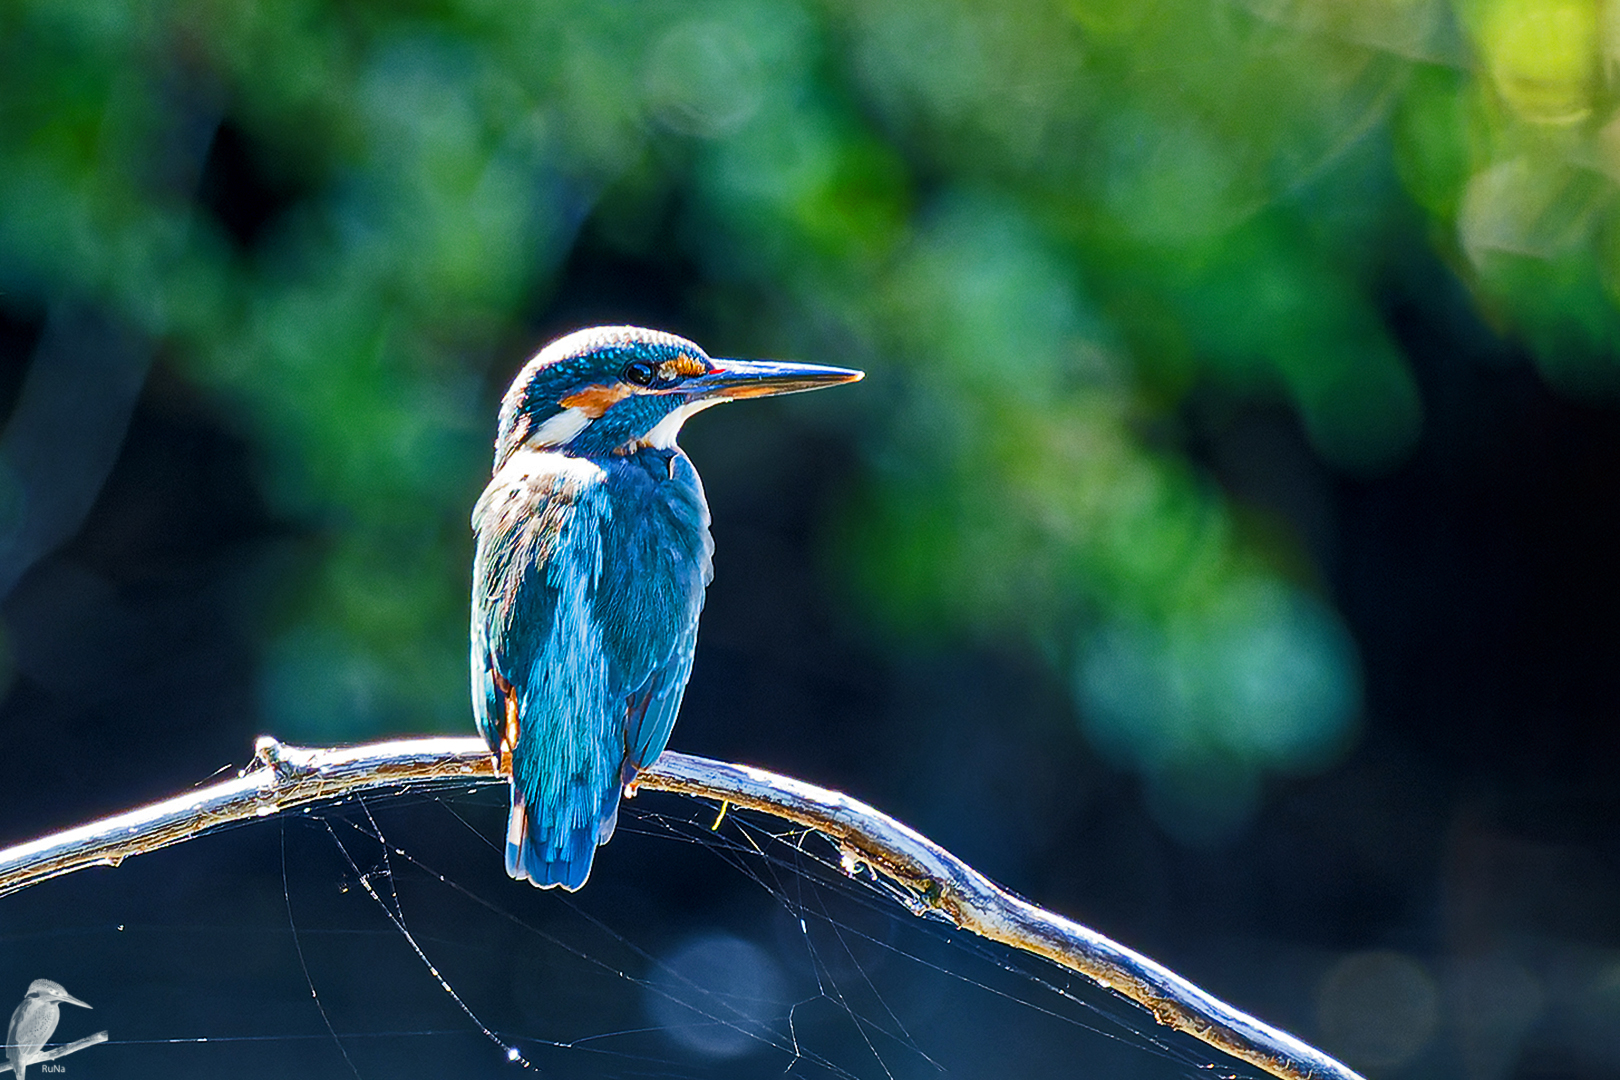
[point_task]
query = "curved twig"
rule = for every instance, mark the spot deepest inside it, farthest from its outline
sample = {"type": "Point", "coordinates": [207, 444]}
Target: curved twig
{"type": "Point", "coordinates": [60, 1051]}
{"type": "Point", "coordinates": [287, 777]}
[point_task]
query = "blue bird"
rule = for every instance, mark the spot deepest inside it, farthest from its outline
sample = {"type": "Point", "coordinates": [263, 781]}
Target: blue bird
{"type": "Point", "coordinates": [593, 552]}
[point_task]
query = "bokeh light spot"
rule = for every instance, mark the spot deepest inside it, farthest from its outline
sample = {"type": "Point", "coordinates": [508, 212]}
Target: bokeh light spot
{"type": "Point", "coordinates": [703, 78]}
{"type": "Point", "coordinates": [717, 995]}
{"type": "Point", "coordinates": [1543, 56]}
{"type": "Point", "coordinates": [1202, 703]}
{"type": "Point", "coordinates": [1493, 1001]}
{"type": "Point", "coordinates": [1378, 1009]}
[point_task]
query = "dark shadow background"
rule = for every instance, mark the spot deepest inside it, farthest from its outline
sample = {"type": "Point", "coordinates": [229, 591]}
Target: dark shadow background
{"type": "Point", "coordinates": [263, 283]}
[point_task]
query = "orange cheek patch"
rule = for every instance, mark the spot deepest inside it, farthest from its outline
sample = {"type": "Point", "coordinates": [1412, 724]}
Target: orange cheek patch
{"type": "Point", "coordinates": [683, 366]}
{"type": "Point", "coordinates": [593, 401]}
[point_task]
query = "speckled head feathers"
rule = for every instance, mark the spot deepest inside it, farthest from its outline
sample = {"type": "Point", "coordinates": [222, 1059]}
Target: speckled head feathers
{"type": "Point", "coordinates": [617, 389]}
{"type": "Point", "coordinates": [568, 368]}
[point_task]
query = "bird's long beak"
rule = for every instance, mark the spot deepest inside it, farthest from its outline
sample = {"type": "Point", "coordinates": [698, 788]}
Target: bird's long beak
{"type": "Point", "coordinates": [71, 1000]}
{"type": "Point", "coordinates": [731, 379]}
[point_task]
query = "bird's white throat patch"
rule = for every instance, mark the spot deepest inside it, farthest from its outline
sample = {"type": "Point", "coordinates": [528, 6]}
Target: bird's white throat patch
{"type": "Point", "coordinates": [562, 428]}
{"type": "Point", "coordinates": [663, 435]}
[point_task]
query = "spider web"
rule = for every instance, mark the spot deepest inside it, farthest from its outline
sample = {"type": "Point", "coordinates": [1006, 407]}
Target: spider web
{"type": "Point", "coordinates": [380, 937]}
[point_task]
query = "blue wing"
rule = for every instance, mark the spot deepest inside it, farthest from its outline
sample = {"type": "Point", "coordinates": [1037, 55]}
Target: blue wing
{"type": "Point", "coordinates": [667, 573]}
{"type": "Point", "coordinates": [587, 584]}
{"type": "Point", "coordinates": [660, 701]}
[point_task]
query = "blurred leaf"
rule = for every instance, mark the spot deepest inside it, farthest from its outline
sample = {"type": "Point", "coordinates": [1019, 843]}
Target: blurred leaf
{"type": "Point", "coordinates": [1048, 228]}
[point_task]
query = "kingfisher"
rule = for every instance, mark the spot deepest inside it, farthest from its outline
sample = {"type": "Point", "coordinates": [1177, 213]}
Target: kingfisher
{"type": "Point", "coordinates": [592, 556]}
{"type": "Point", "coordinates": [34, 1022]}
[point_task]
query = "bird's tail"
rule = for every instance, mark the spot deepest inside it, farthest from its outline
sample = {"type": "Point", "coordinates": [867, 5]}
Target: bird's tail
{"type": "Point", "coordinates": [550, 858]}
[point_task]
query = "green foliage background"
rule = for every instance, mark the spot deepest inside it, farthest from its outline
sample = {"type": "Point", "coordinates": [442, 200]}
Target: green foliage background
{"type": "Point", "coordinates": [1048, 231]}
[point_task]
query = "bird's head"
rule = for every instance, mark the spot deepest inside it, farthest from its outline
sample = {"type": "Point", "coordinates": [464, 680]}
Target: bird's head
{"type": "Point", "coordinates": [46, 990]}
{"type": "Point", "coordinates": [619, 389]}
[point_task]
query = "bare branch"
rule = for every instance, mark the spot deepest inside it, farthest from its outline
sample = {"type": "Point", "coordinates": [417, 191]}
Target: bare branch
{"type": "Point", "coordinates": [60, 1051]}
{"type": "Point", "coordinates": [288, 777]}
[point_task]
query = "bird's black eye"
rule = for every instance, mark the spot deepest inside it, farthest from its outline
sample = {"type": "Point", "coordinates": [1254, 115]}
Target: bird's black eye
{"type": "Point", "coordinates": [640, 373]}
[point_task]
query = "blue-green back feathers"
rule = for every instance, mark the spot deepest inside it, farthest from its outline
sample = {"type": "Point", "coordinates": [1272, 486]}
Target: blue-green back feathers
{"type": "Point", "coordinates": [588, 583]}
